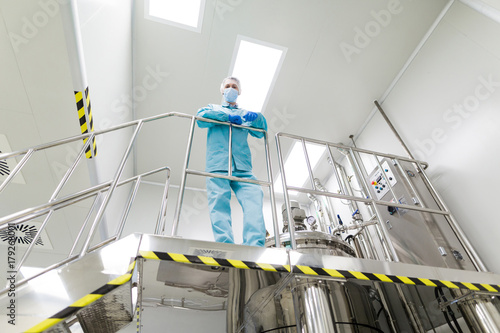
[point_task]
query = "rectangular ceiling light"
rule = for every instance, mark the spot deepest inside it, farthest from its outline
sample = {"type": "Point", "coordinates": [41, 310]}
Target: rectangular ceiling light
{"type": "Point", "coordinates": [256, 64]}
{"type": "Point", "coordinates": [186, 14]}
{"type": "Point", "coordinates": [296, 167]}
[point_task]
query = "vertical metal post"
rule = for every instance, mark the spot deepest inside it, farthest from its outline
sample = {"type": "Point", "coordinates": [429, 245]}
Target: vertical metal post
{"type": "Point", "coordinates": [87, 219]}
{"type": "Point", "coordinates": [291, 222]}
{"type": "Point", "coordinates": [410, 183]}
{"type": "Point", "coordinates": [386, 238]}
{"type": "Point", "coordinates": [160, 223]}
{"type": "Point", "coordinates": [182, 186]}
{"type": "Point", "coordinates": [308, 163]}
{"type": "Point", "coordinates": [112, 187]}
{"type": "Point", "coordinates": [230, 151]}
{"type": "Point", "coordinates": [70, 171]}
{"type": "Point", "coordinates": [478, 263]}
{"type": "Point", "coordinates": [54, 195]}
{"type": "Point", "coordinates": [271, 192]}
{"type": "Point", "coordinates": [140, 265]}
{"type": "Point", "coordinates": [127, 207]}
{"type": "Point", "coordinates": [335, 172]}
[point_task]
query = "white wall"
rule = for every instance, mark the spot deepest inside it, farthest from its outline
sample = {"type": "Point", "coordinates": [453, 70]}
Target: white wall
{"type": "Point", "coordinates": [446, 109]}
{"type": "Point", "coordinates": [107, 43]}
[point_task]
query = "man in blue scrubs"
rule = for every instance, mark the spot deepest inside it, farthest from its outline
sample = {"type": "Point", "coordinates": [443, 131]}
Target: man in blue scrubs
{"type": "Point", "coordinates": [249, 195]}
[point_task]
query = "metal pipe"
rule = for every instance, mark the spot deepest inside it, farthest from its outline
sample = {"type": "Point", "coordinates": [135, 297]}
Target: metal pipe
{"type": "Point", "coordinates": [409, 182]}
{"type": "Point", "coordinates": [140, 264]}
{"type": "Point", "coordinates": [291, 222]}
{"type": "Point", "coordinates": [364, 193]}
{"type": "Point", "coordinates": [115, 128]}
{"type": "Point", "coordinates": [56, 265]}
{"type": "Point", "coordinates": [335, 172]}
{"type": "Point", "coordinates": [308, 163]}
{"type": "Point", "coordinates": [180, 197]}
{"type": "Point", "coordinates": [370, 201]}
{"type": "Point", "coordinates": [33, 242]}
{"type": "Point", "coordinates": [43, 209]}
{"type": "Point", "coordinates": [230, 151]}
{"type": "Point", "coordinates": [23, 281]}
{"type": "Point", "coordinates": [160, 223]}
{"type": "Point", "coordinates": [393, 129]}
{"type": "Point", "coordinates": [356, 149]}
{"type": "Point", "coordinates": [85, 223]}
{"type": "Point", "coordinates": [320, 212]}
{"type": "Point", "coordinates": [215, 175]}
{"type": "Point", "coordinates": [54, 195]}
{"type": "Point", "coordinates": [411, 311]}
{"type": "Point", "coordinates": [18, 167]}
{"type": "Point", "coordinates": [353, 205]}
{"type": "Point", "coordinates": [355, 226]}
{"type": "Point", "coordinates": [385, 234]}
{"type": "Point", "coordinates": [101, 244]}
{"type": "Point", "coordinates": [329, 207]}
{"type": "Point", "coordinates": [72, 168]}
{"type": "Point", "coordinates": [40, 210]}
{"type": "Point", "coordinates": [126, 211]}
{"type": "Point", "coordinates": [271, 192]}
{"type": "Point", "coordinates": [112, 187]}
{"type": "Point", "coordinates": [478, 263]}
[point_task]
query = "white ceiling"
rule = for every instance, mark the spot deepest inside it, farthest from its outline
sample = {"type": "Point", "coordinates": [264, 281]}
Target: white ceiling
{"type": "Point", "coordinates": [318, 92]}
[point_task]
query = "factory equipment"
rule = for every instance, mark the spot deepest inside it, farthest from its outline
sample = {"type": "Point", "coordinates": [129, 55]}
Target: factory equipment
{"type": "Point", "coordinates": [407, 222]}
{"type": "Point", "coordinates": [389, 257]}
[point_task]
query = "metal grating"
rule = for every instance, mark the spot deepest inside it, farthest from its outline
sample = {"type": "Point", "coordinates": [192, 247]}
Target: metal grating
{"type": "Point", "coordinates": [109, 313]}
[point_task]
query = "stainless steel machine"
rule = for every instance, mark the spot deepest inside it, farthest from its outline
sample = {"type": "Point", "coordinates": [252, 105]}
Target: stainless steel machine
{"type": "Point", "coordinates": [405, 222]}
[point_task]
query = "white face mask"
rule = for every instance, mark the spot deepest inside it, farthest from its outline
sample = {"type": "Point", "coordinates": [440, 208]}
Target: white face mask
{"type": "Point", "coordinates": [230, 95]}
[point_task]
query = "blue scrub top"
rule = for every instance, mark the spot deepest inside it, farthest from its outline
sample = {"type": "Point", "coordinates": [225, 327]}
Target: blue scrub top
{"type": "Point", "coordinates": [218, 137]}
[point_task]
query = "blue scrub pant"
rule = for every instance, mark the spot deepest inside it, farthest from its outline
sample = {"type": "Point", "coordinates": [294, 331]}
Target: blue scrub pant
{"type": "Point", "coordinates": [249, 196]}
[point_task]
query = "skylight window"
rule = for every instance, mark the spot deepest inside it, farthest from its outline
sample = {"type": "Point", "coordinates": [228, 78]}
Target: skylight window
{"type": "Point", "coordinates": [296, 167]}
{"type": "Point", "coordinates": [186, 14]}
{"type": "Point", "coordinates": [256, 64]}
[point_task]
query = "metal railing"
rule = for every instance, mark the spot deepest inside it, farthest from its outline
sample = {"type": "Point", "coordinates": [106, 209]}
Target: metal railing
{"type": "Point", "coordinates": [267, 183]}
{"type": "Point", "coordinates": [102, 193]}
{"type": "Point", "coordinates": [352, 154]}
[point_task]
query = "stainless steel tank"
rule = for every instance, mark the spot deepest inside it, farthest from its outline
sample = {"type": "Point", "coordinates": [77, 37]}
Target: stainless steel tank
{"type": "Point", "coordinates": [277, 302]}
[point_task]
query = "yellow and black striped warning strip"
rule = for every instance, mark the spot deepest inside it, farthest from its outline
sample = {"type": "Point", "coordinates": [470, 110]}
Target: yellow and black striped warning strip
{"type": "Point", "coordinates": [84, 301]}
{"type": "Point", "coordinates": [86, 125]}
{"type": "Point", "coordinates": [210, 261]}
{"type": "Point", "coordinates": [317, 271]}
{"type": "Point", "coordinates": [309, 270]}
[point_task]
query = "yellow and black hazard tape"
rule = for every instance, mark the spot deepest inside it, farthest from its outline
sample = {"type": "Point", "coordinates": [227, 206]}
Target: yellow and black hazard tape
{"type": "Point", "coordinates": [210, 261]}
{"type": "Point", "coordinates": [318, 271]}
{"type": "Point", "coordinates": [309, 270]}
{"type": "Point", "coordinates": [83, 302]}
{"type": "Point", "coordinates": [86, 125]}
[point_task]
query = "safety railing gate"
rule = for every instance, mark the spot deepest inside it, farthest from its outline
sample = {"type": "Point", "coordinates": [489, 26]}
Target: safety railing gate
{"type": "Point", "coordinates": [289, 261]}
{"type": "Point", "coordinates": [352, 154]}
{"type": "Point", "coordinates": [186, 171]}
{"type": "Point", "coordinates": [102, 193]}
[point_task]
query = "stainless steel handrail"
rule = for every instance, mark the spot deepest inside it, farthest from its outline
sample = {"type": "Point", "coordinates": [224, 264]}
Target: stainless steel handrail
{"type": "Point", "coordinates": [186, 171]}
{"type": "Point", "coordinates": [361, 171]}
{"type": "Point", "coordinates": [106, 189]}
{"type": "Point", "coordinates": [356, 149]}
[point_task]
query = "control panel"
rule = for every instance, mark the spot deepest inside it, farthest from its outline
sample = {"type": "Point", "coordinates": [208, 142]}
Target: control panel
{"type": "Point", "coordinates": [379, 179]}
